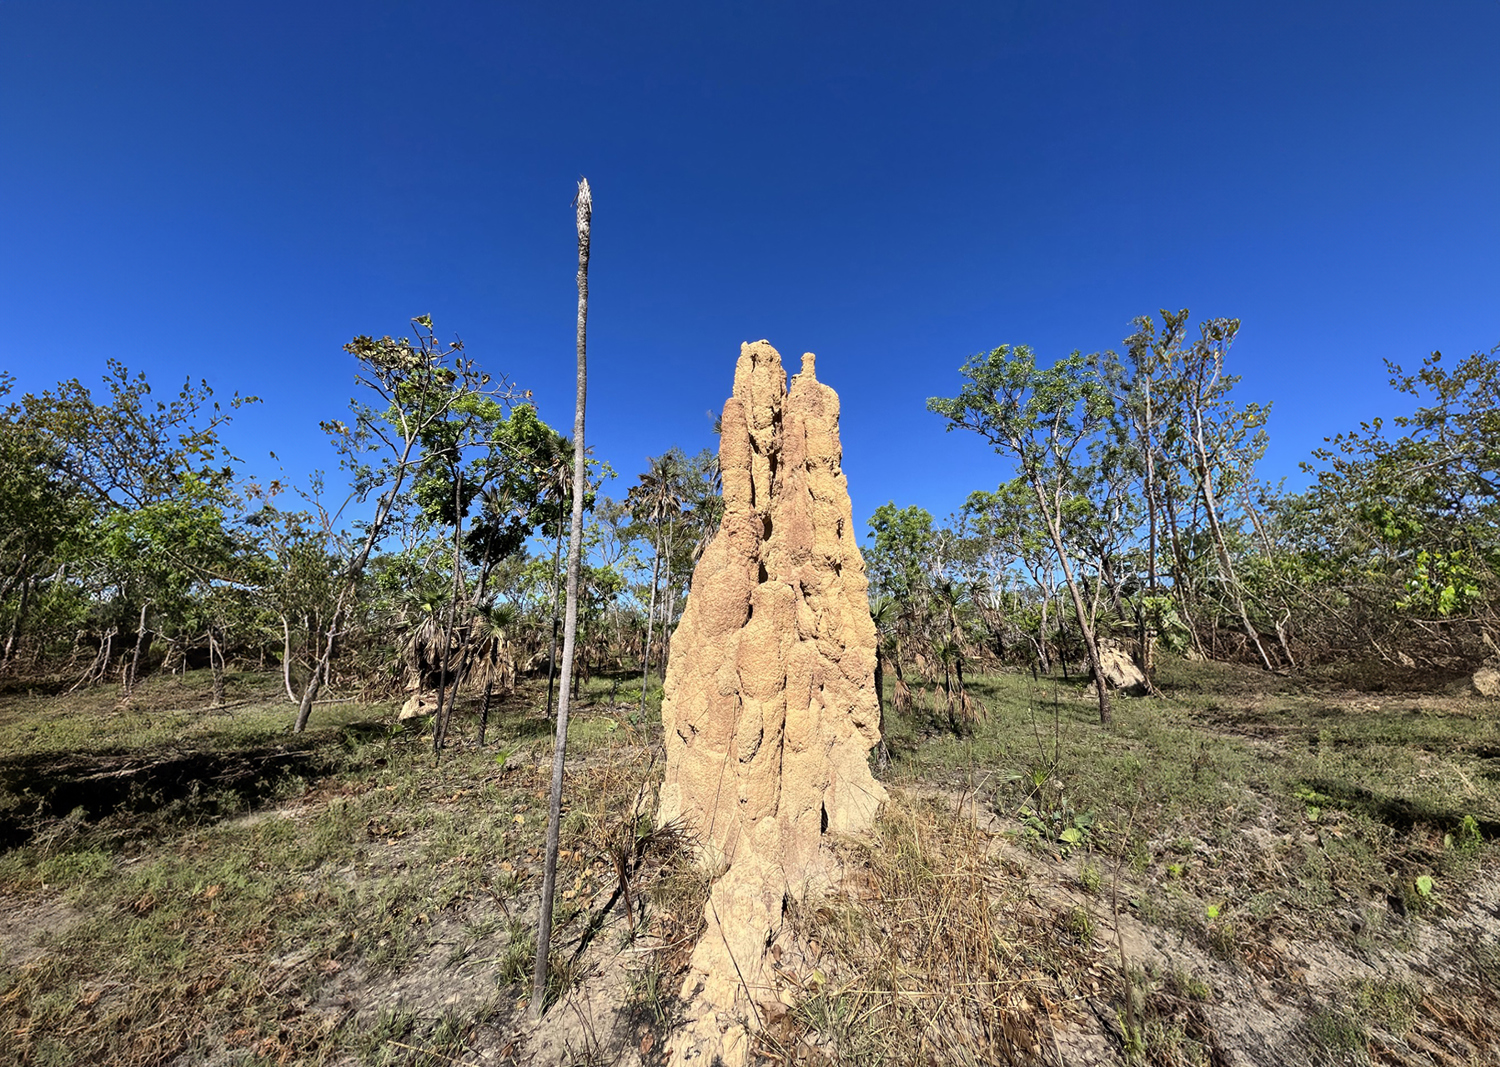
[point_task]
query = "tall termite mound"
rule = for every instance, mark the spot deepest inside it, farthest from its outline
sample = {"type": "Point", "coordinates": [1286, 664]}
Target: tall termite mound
{"type": "Point", "coordinates": [770, 709]}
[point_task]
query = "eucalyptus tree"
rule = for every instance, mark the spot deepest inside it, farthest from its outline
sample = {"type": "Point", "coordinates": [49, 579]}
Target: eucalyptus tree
{"type": "Point", "coordinates": [1208, 419]}
{"type": "Point", "coordinates": [413, 387]}
{"type": "Point", "coordinates": [1044, 419]}
{"type": "Point", "coordinates": [1142, 404]}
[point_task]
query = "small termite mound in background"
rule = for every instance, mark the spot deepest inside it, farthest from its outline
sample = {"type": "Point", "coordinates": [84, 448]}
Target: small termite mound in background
{"type": "Point", "coordinates": [770, 709]}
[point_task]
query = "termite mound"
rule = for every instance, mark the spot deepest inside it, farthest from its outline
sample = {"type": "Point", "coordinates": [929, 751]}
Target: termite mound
{"type": "Point", "coordinates": [770, 709]}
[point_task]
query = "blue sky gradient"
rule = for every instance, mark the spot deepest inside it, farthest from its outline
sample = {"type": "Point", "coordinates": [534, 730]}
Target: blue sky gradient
{"type": "Point", "coordinates": [234, 190]}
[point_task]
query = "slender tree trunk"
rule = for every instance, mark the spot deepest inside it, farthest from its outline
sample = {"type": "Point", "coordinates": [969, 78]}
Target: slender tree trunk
{"type": "Point", "coordinates": [439, 715]}
{"type": "Point", "coordinates": [444, 707]}
{"type": "Point", "coordinates": [1226, 566]}
{"type": "Point", "coordinates": [669, 595]}
{"type": "Point", "coordinates": [348, 577]}
{"type": "Point", "coordinates": [1148, 631]}
{"type": "Point", "coordinates": [556, 596]}
{"type": "Point", "coordinates": [570, 631]}
{"type": "Point", "coordinates": [1054, 529]}
{"type": "Point", "coordinates": [1265, 540]}
{"type": "Point", "coordinates": [484, 711]}
{"type": "Point", "coordinates": [1181, 584]}
{"type": "Point", "coordinates": [650, 617]}
{"type": "Point", "coordinates": [1062, 636]}
{"type": "Point", "coordinates": [1043, 660]}
{"type": "Point", "coordinates": [135, 659]}
{"type": "Point", "coordinates": [882, 751]}
{"type": "Point", "coordinates": [15, 626]}
{"type": "Point", "coordinates": [320, 668]}
{"type": "Point", "coordinates": [286, 658]}
{"type": "Point", "coordinates": [216, 663]}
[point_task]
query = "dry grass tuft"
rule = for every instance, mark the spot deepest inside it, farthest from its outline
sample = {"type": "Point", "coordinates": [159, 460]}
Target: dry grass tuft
{"type": "Point", "coordinates": [929, 954]}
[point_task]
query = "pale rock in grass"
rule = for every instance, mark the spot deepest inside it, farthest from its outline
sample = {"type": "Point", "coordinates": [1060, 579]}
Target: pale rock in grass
{"type": "Point", "coordinates": [1486, 680]}
{"type": "Point", "coordinates": [1120, 671]}
{"type": "Point", "coordinates": [418, 702]}
{"type": "Point", "coordinates": [770, 709]}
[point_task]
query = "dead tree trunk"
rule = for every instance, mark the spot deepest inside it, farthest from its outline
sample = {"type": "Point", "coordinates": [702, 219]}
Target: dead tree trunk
{"type": "Point", "coordinates": [570, 625]}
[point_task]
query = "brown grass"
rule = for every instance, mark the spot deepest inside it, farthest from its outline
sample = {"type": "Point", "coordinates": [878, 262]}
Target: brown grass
{"type": "Point", "coordinates": [931, 953]}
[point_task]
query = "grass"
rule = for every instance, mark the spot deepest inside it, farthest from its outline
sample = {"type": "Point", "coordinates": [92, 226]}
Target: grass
{"type": "Point", "coordinates": [1239, 811]}
{"type": "Point", "coordinates": [183, 883]}
{"type": "Point", "coordinates": [180, 916]}
{"type": "Point", "coordinates": [935, 959]}
{"type": "Point", "coordinates": [1179, 793]}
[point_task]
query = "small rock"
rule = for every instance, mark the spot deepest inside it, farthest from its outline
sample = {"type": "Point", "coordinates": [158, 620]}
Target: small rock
{"type": "Point", "coordinates": [1120, 672]}
{"type": "Point", "coordinates": [1486, 679]}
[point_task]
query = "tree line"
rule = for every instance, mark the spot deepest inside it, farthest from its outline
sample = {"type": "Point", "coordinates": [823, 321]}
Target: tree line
{"type": "Point", "coordinates": [132, 541]}
{"type": "Point", "coordinates": [1125, 511]}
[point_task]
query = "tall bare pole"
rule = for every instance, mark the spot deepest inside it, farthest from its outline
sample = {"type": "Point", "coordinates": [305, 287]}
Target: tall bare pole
{"type": "Point", "coordinates": [585, 207]}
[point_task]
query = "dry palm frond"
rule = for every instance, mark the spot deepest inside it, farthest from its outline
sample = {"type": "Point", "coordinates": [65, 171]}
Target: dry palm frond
{"type": "Point", "coordinates": [429, 652]}
{"type": "Point", "coordinates": [973, 710]}
{"type": "Point", "coordinates": [901, 696]}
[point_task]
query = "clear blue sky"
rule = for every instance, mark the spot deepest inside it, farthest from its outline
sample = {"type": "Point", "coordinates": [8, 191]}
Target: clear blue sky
{"type": "Point", "coordinates": [233, 190]}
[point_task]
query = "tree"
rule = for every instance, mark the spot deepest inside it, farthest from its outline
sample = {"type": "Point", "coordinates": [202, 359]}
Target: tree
{"type": "Point", "coordinates": [1141, 403]}
{"type": "Point", "coordinates": [585, 207]}
{"type": "Point", "coordinates": [145, 487]}
{"type": "Point", "coordinates": [883, 615]}
{"type": "Point", "coordinates": [555, 494]}
{"type": "Point", "coordinates": [1044, 419]}
{"type": "Point", "coordinates": [1004, 530]}
{"type": "Point", "coordinates": [1397, 537]}
{"type": "Point", "coordinates": [44, 519]}
{"type": "Point", "coordinates": [296, 586]}
{"type": "Point", "coordinates": [418, 386]}
{"type": "Point", "coordinates": [657, 501]}
{"type": "Point", "coordinates": [555, 478]}
{"type": "Point", "coordinates": [899, 553]}
{"type": "Point", "coordinates": [1202, 394]}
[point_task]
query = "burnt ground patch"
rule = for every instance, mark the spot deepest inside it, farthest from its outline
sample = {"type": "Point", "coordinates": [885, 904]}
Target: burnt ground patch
{"type": "Point", "coordinates": [182, 783]}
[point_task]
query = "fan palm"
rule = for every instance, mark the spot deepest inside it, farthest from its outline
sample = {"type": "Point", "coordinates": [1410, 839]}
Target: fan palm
{"type": "Point", "coordinates": [489, 654]}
